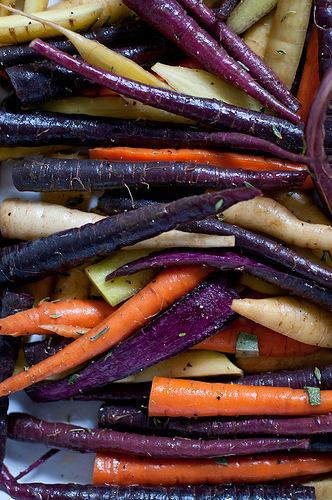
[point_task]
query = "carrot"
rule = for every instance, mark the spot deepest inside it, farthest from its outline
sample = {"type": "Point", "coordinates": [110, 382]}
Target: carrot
{"type": "Point", "coordinates": [191, 398]}
{"type": "Point", "coordinates": [87, 313]}
{"type": "Point", "coordinates": [64, 330]}
{"type": "Point", "coordinates": [168, 286]}
{"type": "Point", "coordinates": [270, 343]}
{"type": "Point", "coordinates": [310, 75]}
{"type": "Point", "coordinates": [125, 470]}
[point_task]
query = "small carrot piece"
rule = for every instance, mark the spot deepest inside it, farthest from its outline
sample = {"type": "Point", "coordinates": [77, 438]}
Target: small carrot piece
{"type": "Point", "coordinates": [173, 397]}
{"type": "Point", "coordinates": [87, 313]}
{"type": "Point", "coordinates": [170, 285]}
{"type": "Point", "coordinates": [64, 330]}
{"type": "Point", "coordinates": [310, 75]}
{"type": "Point", "coordinates": [270, 343]}
{"type": "Point", "coordinates": [125, 470]}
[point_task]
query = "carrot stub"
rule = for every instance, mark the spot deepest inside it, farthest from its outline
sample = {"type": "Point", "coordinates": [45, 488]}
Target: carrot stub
{"type": "Point", "coordinates": [170, 397]}
{"type": "Point", "coordinates": [124, 470]}
{"type": "Point", "coordinates": [170, 285]}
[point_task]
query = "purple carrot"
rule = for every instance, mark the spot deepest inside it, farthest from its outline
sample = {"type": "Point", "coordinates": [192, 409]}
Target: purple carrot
{"type": "Point", "coordinates": [60, 251]}
{"type": "Point", "coordinates": [168, 17]}
{"type": "Point", "coordinates": [34, 352]}
{"type": "Point", "coordinates": [53, 174]}
{"type": "Point", "coordinates": [224, 8]}
{"type": "Point", "coordinates": [31, 129]}
{"type": "Point", "coordinates": [135, 418]}
{"type": "Point", "coordinates": [227, 261]}
{"type": "Point", "coordinates": [211, 112]}
{"type": "Point", "coordinates": [71, 491]}
{"type": "Point", "coordinates": [26, 428]}
{"type": "Point", "coordinates": [240, 51]}
{"type": "Point", "coordinates": [323, 20]}
{"type": "Point", "coordinates": [195, 317]}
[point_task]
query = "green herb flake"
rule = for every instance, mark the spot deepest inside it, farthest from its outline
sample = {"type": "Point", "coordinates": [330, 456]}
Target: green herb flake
{"type": "Point", "coordinates": [153, 402]}
{"type": "Point", "coordinates": [45, 299]}
{"type": "Point", "coordinates": [218, 205]}
{"type": "Point", "coordinates": [221, 461]}
{"type": "Point", "coordinates": [72, 379]}
{"type": "Point", "coordinates": [90, 431]}
{"type": "Point", "coordinates": [81, 332]}
{"type": "Point", "coordinates": [183, 334]}
{"type": "Point", "coordinates": [246, 345]}
{"type": "Point", "coordinates": [314, 395]}
{"type": "Point", "coordinates": [243, 66]}
{"type": "Point", "coordinates": [324, 256]}
{"type": "Point", "coordinates": [156, 421]}
{"type": "Point", "coordinates": [248, 185]}
{"type": "Point", "coordinates": [104, 330]}
{"type": "Point", "coordinates": [276, 132]}
{"type": "Point", "coordinates": [55, 316]}
{"type": "Point", "coordinates": [78, 429]}
{"type": "Point", "coordinates": [281, 52]}
{"type": "Point", "coordinates": [286, 14]}
{"type": "Point", "coordinates": [108, 355]}
{"type": "Point", "coordinates": [318, 374]}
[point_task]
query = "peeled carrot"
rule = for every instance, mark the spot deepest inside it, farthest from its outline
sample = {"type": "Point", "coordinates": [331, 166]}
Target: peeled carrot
{"type": "Point", "coordinates": [64, 330]}
{"type": "Point", "coordinates": [310, 75]}
{"type": "Point", "coordinates": [125, 470]}
{"type": "Point", "coordinates": [270, 343]}
{"type": "Point", "coordinates": [170, 285]}
{"type": "Point", "coordinates": [87, 313]}
{"type": "Point", "coordinates": [191, 398]}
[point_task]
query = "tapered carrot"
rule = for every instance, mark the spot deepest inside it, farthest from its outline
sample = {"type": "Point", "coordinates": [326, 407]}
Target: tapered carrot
{"type": "Point", "coordinates": [219, 159]}
{"type": "Point", "coordinates": [191, 398]}
{"type": "Point", "coordinates": [87, 313]}
{"type": "Point", "coordinates": [168, 286]}
{"type": "Point", "coordinates": [64, 330]}
{"type": "Point", "coordinates": [125, 470]}
{"type": "Point", "coordinates": [270, 343]}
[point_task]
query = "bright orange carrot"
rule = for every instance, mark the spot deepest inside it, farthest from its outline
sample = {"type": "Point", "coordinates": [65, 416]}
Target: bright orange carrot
{"type": "Point", "coordinates": [310, 75]}
{"type": "Point", "coordinates": [87, 313]}
{"type": "Point", "coordinates": [270, 343]}
{"type": "Point", "coordinates": [64, 330]}
{"type": "Point", "coordinates": [168, 286]}
{"type": "Point", "coordinates": [191, 398]}
{"type": "Point", "coordinates": [219, 159]}
{"type": "Point", "coordinates": [124, 470]}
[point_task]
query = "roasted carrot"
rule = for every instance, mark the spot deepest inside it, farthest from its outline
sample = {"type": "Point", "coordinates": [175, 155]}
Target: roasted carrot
{"type": "Point", "coordinates": [219, 159]}
{"type": "Point", "coordinates": [124, 470]}
{"type": "Point", "coordinates": [86, 313]}
{"type": "Point", "coordinates": [310, 75]}
{"type": "Point", "coordinates": [168, 286]}
{"type": "Point", "coordinates": [64, 330]}
{"type": "Point", "coordinates": [191, 398]}
{"type": "Point", "coordinates": [270, 343]}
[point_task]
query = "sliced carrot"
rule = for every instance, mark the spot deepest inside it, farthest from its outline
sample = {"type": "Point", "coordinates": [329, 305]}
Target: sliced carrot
{"type": "Point", "coordinates": [219, 159]}
{"type": "Point", "coordinates": [87, 313]}
{"type": "Point", "coordinates": [124, 470]}
{"type": "Point", "coordinates": [270, 343]}
{"type": "Point", "coordinates": [172, 397]}
{"type": "Point", "coordinates": [170, 285]}
{"type": "Point", "coordinates": [310, 75]}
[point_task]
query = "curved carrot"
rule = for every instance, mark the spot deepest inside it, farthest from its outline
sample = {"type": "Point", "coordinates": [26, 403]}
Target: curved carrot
{"type": "Point", "coordinates": [270, 343]}
{"type": "Point", "coordinates": [64, 330]}
{"type": "Point", "coordinates": [125, 470]}
{"type": "Point", "coordinates": [310, 75]}
{"type": "Point", "coordinates": [191, 398]}
{"type": "Point", "coordinates": [170, 285]}
{"type": "Point", "coordinates": [87, 313]}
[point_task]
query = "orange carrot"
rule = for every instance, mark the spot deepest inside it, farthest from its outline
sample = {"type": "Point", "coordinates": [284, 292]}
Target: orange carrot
{"type": "Point", "coordinates": [310, 75]}
{"type": "Point", "coordinates": [191, 398]}
{"type": "Point", "coordinates": [170, 285]}
{"type": "Point", "coordinates": [64, 330]}
{"type": "Point", "coordinates": [87, 313]}
{"type": "Point", "coordinates": [124, 470]}
{"type": "Point", "coordinates": [219, 159]}
{"type": "Point", "coordinates": [270, 343]}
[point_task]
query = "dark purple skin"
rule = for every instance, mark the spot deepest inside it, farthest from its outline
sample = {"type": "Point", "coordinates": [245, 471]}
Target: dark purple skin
{"type": "Point", "coordinates": [39, 350]}
{"type": "Point", "coordinates": [211, 112]}
{"type": "Point", "coordinates": [231, 261]}
{"type": "Point", "coordinates": [135, 418]}
{"type": "Point", "coordinates": [323, 20]}
{"type": "Point", "coordinates": [42, 128]}
{"type": "Point", "coordinates": [240, 51]}
{"type": "Point", "coordinates": [53, 174]}
{"type": "Point", "coordinates": [195, 317]}
{"type": "Point", "coordinates": [225, 8]}
{"type": "Point", "coordinates": [75, 491]}
{"type": "Point", "coordinates": [61, 251]}
{"type": "Point", "coordinates": [174, 23]}
{"type": "Point", "coordinates": [26, 428]}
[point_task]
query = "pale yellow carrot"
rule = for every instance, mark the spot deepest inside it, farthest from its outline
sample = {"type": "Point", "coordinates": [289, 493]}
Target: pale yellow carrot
{"type": "Point", "coordinates": [248, 12]}
{"type": "Point", "coordinates": [257, 36]}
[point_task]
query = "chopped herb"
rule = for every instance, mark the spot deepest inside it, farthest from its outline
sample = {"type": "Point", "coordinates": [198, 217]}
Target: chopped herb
{"type": "Point", "coordinates": [246, 345]}
{"type": "Point", "coordinates": [46, 299]}
{"type": "Point", "coordinates": [314, 395]}
{"type": "Point", "coordinates": [26, 368]}
{"type": "Point", "coordinates": [108, 355]}
{"type": "Point", "coordinates": [243, 66]}
{"type": "Point", "coordinates": [153, 402]}
{"type": "Point", "coordinates": [90, 431]}
{"type": "Point", "coordinates": [325, 256]}
{"type": "Point", "coordinates": [221, 461]}
{"type": "Point", "coordinates": [72, 379]}
{"type": "Point", "coordinates": [156, 421]}
{"type": "Point", "coordinates": [82, 332]}
{"type": "Point", "coordinates": [54, 316]}
{"type": "Point", "coordinates": [183, 334]}
{"type": "Point", "coordinates": [281, 52]}
{"type": "Point", "coordinates": [219, 205]}
{"type": "Point", "coordinates": [79, 429]}
{"type": "Point", "coordinates": [318, 374]}
{"type": "Point", "coordinates": [285, 15]}
{"type": "Point", "coordinates": [276, 132]}
{"type": "Point", "coordinates": [248, 185]}
{"type": "Point", "coordinates": [104, 330]}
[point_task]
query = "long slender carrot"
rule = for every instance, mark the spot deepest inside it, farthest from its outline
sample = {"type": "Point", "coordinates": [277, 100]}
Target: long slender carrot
{"type": "Point", "coordinates": [125, 470]}
{"type": "Point", "coordinates": [168, 286]}
{"type": "Point", "coordinates": [191, 398]}
{"type": "Point", "coordinates": [310, 75]}
{"type": "Point", "coordinates": [270, 343]}
{"type": "Point", "coordinates": [87, 313]}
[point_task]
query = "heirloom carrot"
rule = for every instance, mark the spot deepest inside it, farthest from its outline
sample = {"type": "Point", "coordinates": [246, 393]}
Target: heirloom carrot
{"type": "Point", "coordinates": [192, 398]}
{"type": "Point", "coordinates": [168, 286]}
{"type": "Point", "coordinates": [124, 470]}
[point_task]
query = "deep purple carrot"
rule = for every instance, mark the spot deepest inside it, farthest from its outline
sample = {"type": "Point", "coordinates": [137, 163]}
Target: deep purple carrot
{"type": "Point", "coordinates": [225, 7]}
{"type": "Point", "coordinates": [240, 51]}
{"type": "Point", "coordinates": [173, 22]}
{"type": "Point", "coordinates": [211, 112]}
{"type": "Point", "coordinates": [26, 428]}
{"type": "Point", "coordinates": [323, 19]}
